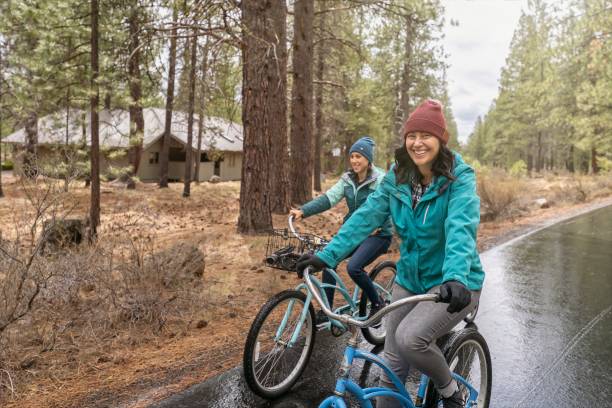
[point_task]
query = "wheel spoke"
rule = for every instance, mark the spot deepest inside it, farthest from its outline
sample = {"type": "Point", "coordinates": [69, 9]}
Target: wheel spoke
{"type": "Point", "coordinates": [278, 365]}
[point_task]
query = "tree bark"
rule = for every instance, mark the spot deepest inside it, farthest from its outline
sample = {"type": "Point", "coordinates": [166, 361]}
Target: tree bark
{"type": "Point", "coordinates": [1, 107]}
{"type": "Point", "coordinates": [29, 158]}
{"type": "Point", "coordinates": [280, 198]}
{"type": "Point", "coordinates": [189, 147]}
{"type": "Point", "coordinates": [318, 105]}
{"type": "Point", "coordinates": [94, 211]}
{"type": "Point", "coordinates": [255, 215]}
{"type": "Point", "coordinates": [539, 158]}
{"type": "Point", "coordinates": [165, 148]}
{"type": "Point", "coordinates": [594, 165]}
{"type": "Point", "coordinates": [66, 149]}
{"type": "Point", "coordinates": [135, 107]}
{"type": "Point", "coordinates": [404, 88]}
{"type": "Point", "coordinates": [201, 109]}
{"type": "Point", "coordinates": [301, 103]}
{"type": "Point", "coordinates": [569, 161]}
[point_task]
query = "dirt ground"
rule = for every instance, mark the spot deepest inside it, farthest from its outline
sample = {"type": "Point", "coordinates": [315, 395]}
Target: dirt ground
{"type": "Point", "coordinates": [124, 374]}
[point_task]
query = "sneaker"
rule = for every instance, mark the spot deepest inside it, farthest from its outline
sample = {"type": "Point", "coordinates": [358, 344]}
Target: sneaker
{"type": "Point", "coordinates": [320, 319]}
{"type": "Point", "coordinates": [454, 401]}
{"type": "Point", "coordinates": [373, 310]}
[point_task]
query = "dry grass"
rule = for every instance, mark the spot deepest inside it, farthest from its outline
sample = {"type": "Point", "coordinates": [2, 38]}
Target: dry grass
{"type": "Point", "coordinates": [505, 197]}
{"type": "Point", "coordinates": [499, 194]}
{"type": "Point", "coordinates": [115, 324]}
{"type": "Point", "coordinates": [115, 319]}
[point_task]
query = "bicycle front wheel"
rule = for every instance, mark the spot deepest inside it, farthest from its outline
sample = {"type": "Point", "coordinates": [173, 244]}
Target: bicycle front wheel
{"type": "Point", "coordinates": [467, 355]}
{"type": "Point", "coordinates": [383, 276]}
{"type": "Point", "coordinates": [279, 344]}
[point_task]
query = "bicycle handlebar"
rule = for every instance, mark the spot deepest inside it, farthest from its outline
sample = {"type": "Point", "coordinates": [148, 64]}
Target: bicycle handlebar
{"type": "Point", "coordinates": [292, 228]}
{"type": "Point", "coordinates": [372, 320]}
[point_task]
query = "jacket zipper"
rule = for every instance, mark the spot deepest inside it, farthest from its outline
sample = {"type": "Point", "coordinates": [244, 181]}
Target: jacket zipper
{"type": "Point", "coordinates": [357, 188]}
{"type": "Point", "coordinates": [426, 211]}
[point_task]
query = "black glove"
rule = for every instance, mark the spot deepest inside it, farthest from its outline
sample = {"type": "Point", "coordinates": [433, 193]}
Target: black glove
{"type": "Point", "coordinates": [456, 294]}
{"type": "Point", "coordinates": [307, 260]}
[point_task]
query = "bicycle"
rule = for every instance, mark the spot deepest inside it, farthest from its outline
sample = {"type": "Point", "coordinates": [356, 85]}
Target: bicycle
{"type": "Point", "coordinates": [281, 338]}
{"type": "Point", "coordinates": [465, 350]}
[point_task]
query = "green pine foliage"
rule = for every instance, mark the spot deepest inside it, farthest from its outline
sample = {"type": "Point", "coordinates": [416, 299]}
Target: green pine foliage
{"type": "Point", "coordinates": [553, 110]}
{"type": "Point", "coordinates": [370, 46]}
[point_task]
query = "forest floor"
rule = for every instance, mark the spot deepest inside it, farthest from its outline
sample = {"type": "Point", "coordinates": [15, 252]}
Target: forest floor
{"type": "Point", "coordinates": [137, 366]}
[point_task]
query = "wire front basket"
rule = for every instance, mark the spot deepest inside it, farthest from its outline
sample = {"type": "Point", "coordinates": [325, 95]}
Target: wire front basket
{"type": "Point", "coordinates": [284, 249]}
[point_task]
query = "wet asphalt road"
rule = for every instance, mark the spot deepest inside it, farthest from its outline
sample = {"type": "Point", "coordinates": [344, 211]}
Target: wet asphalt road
{"type": "Point", "coordinates": [546, 312]}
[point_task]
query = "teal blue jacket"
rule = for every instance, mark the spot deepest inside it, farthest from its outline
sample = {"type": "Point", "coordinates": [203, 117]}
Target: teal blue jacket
{"type": "Point", "coordinates": [354, 195]}
{"type": "Point", "coordinates": [438, 236]}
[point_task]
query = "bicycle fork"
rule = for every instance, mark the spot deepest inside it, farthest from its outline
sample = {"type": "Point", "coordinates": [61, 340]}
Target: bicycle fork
{"type": "Point", "coordinates": [296, 328]}
{"type": "Point", "coordinates": [343, 383]}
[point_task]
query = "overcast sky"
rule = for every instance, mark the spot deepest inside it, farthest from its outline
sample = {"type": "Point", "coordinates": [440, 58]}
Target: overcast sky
{"type": "Point", "coordinates": [477, 50]}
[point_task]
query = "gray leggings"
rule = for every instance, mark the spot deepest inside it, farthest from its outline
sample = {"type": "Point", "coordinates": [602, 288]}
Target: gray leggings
{"type": "Point", "coordinates": [411, 340]}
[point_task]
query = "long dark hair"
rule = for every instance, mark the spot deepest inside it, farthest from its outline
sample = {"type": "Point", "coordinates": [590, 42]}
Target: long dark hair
{"type": "Point", "coordinates": [406, 169]}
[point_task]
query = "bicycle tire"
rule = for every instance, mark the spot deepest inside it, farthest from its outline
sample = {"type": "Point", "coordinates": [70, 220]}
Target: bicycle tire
{"type": "Point", "coordinates": [454, 349]}
{"type": "Point", "coordinates": [376, 336]}
{"type": "Point", "coordinates": [254, 364]}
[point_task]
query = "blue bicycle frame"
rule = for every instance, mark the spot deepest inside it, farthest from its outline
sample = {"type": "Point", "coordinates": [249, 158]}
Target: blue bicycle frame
{"type": "Point", "coordinates": [365, 395]}
{"type": "Point", "coordinates": [340, 286]}
{"type": "Point", "coordinates": [351, 305]}
{"type": "Point", "coordinates": [344, 384]}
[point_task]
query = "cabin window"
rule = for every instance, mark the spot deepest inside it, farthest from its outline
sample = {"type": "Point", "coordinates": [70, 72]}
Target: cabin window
{"type": "Point", "coordinates": [153, 157]}
{"type": "Point", "coordinates": [177, 154]}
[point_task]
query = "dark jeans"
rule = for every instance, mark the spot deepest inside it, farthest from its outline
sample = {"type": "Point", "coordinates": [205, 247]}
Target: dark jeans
{"type": "Point", "coordinates": [370, 249]}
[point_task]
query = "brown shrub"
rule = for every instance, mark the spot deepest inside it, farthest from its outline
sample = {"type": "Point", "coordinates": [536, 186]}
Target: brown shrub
{"type": "Point", "coordinates": [73, 303]}
{"type": "Point", "coordinates": [499, 195]}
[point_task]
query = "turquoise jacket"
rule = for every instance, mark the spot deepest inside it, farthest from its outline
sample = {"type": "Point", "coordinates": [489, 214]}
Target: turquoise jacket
{"type": "Point", "coordinates": [354, 195]}
{"type": "Point", "coordinates": [438, 236]}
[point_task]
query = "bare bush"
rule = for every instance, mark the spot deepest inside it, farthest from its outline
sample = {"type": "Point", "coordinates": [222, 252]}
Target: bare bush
{"type": "Point", "coordinates": [77, 300]}
{"type": "Point", "coordinates": [579, 189]}
{"type": "Point", "coordinates": [498, 195]}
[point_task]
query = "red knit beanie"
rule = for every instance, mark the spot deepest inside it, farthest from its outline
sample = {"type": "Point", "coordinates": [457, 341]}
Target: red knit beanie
{"type": "Point", "coordinates": [428, 117]}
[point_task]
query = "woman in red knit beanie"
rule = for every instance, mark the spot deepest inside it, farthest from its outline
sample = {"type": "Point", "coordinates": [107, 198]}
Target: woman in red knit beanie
{"type": "Point", "coordinates": [430, 194]}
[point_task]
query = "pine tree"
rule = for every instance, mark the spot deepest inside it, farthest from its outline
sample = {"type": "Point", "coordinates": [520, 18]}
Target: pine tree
{"type": "Point", "coordinates": [255, 214]}
{"type": "Point", "coordinates": [94, 212]}
{"type": "Point", "coordinates": [280, 190]}
{"type": "Point", "coordinates": [165, 149]}
{"type": "Point", "coordinates": [301, 102]}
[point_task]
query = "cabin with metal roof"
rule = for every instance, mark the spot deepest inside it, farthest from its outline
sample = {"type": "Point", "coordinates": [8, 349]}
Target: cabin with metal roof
{"type": "Point", "coordinates": [220, 153]}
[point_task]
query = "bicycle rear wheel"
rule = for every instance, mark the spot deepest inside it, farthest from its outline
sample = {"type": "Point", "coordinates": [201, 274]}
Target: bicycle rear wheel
{"type": "Point", "coordinates": [467, 355]}
{"type": "Point", "coordinates": [271, 364]}
{"type": "Point", "coordinates": [383, 276]}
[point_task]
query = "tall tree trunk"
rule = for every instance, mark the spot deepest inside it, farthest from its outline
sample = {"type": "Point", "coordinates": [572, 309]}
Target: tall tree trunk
{"type": "Point", "coordinates": [1, 107]}
{"type": "Point", "coordinates": [406, 79]}
{"type": "Point", "coordinates": [165, 148]}
{"type": "Point", "coordinates": [569, 161]}
{"type": "Point", "coordinates": [189, 147]}
{"type": "Point", "coordinates": [594, 165]}
{"type": "Point", "coordinates": [136, 115]}
{"type": "Point", "coordinates": [30, 167]}
{"type": "Point", "coordinates": [94, 211]}
{"type": "Point", "coordinates": [276, 36]}
{"type": "Point", "coordinates": [67, 157]}
{"type": "Point", "coordinates": [539, 157]}
{"type": "Point", "coordinates": [318, 105]}
{"type": "Point", "coordinates": [301, 103]}
{"type": "Point", "coordinates": [255, 215]}
{"type": "Point", "coordinates": [201, 109]}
